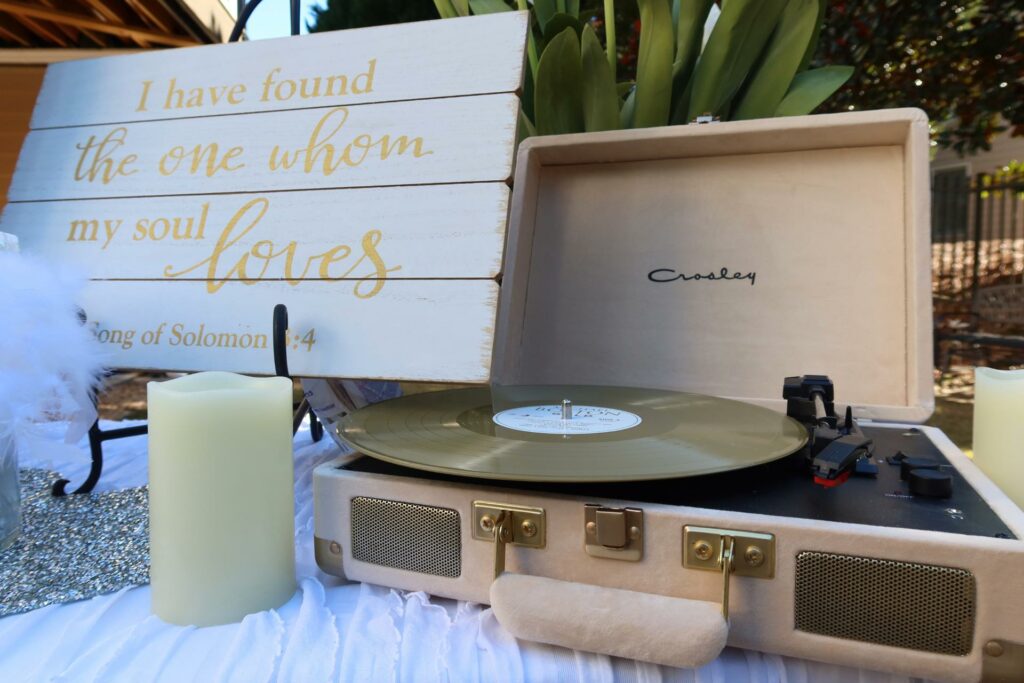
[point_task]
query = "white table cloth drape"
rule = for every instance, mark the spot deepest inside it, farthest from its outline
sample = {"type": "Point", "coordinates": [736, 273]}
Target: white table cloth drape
{"type": "Point", "coordinates": [329, 631]}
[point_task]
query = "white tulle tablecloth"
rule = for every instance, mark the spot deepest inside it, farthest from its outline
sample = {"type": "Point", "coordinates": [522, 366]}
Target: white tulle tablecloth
{"type": "Point", "coordinates": [328, 631]}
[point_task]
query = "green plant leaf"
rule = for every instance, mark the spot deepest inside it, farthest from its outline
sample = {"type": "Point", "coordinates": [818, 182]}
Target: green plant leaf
{"type": "Point", "coordinates": [624, 88]}
{"type": "Point", "coordinates": [526, 128]}
{"type": "Point", "coordinates": [736, 41]}
{"type": "Point", "coordinates": [770, 78]}
{"type": "Point", "coordinates": [461, 7]}
{"type": "Point", "coordinates": [445, 8]}
{"type": "Point", "coordinates": [600, 100]}
{"type": "Point", "coordinates": [682, 105]}
{"type": "Point", "coordinates": [812, 44]}
{"type": "Point", "coordinates": [611, 47]}
{"type": "Point", "coordinates": [559, 23]}
{"type": "Point", "coordinates": [690, 32]}
{"type": "Point", "coordinates": [529, 92]}
{"type": "Point", "coordinates": [558, 101]}
{"type": "Point", "coordinates": [675, 16]}
{"type": "Point", "coordinates": [572, 7]}
{"type": "Point", "coordinates": [544, 10]}
{"type": "Point", "coordinates": [488, 6]}
{"type": "Point", "coordinates": [811, 88]}
{"type": "Point", "coordinates": [654, 65]}
{"type": "Point", "coordinates": [628, 108]}
{"type": "Point", "coordinates": [689, 25]}
{"type": "Point", "coordinates": [532, 50]}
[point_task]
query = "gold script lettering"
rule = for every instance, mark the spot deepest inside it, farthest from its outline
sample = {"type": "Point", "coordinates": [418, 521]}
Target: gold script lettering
{"type": "Point", "coordinates": [171, 160]}
{"type": "Point", "coordinates": [323, 154]}
{"type": "Point", "coordinates": [97, 158]}
{"type": "Point", "coordinates": [254, 264]}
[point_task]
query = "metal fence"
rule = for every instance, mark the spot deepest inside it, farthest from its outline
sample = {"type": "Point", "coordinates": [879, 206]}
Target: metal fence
{"type": "Point", "coordinates": [977, 236]}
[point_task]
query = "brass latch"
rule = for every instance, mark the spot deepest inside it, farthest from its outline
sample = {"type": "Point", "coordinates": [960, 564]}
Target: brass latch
{"type": "Point", "coordinates": [744, 553]}
{"type": "Point", "coordinates": [504, 524]}
{"type": "Point", "coordinates": [616, 533]}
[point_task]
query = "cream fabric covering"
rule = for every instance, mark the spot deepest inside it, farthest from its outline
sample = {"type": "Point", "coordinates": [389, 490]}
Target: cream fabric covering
{"type": "Point", "coordinates": [329, 631]}
{"type": "Point", "coordinates": [653, 628]}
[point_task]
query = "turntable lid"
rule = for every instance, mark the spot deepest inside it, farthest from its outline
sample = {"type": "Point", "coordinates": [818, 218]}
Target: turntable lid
{"type": "Point", "coordinates": [720, 258]}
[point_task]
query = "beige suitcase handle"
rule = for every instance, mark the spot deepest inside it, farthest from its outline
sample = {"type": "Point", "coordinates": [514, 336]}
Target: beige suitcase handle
{"type": "Point", "coordinates": [651, 628]}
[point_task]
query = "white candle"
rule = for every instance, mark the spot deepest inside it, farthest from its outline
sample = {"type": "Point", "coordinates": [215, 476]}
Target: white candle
{"type": "Point", "coordinates": [999, 428]}
{"type": "Point", "coordinates": [220, 497]}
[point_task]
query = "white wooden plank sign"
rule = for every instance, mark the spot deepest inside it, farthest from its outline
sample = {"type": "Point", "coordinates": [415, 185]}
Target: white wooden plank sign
{"type": "Point", "coordinates": [421, 60]}
{"type": "Point", "coordinates": [359, 177]}
{"type": "Point", "coordinates": [430, 330]}
{"type": "Point", "coordinates": [386, 232]}
{"type": "Point", "coordinates": [398, 143]}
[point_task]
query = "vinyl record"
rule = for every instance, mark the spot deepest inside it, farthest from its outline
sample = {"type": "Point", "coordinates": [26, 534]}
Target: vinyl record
{"type": "Point", "coordinates": [612, 433]}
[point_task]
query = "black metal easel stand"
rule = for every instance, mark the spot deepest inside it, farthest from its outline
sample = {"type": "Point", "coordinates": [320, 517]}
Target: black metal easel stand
{"type": "Point", "coordinates": [97, 436]}
{"type": "Point", "coordinates": [316, 429]}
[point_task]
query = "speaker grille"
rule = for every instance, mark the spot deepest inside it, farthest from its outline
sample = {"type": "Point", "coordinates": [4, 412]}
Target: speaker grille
{"type": "Point", "coordinates": [417, 538]}
{"type": "Point", "coordinates": [902, 604]}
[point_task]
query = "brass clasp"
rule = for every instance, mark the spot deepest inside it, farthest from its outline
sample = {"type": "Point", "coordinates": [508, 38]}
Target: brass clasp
{"type": "Point", "coordinates": [727, 563]}
{"type": "Point", "coordinates": [729, 551]}
{"type": "Point", "coordinates": [613, 533]}
{"type": "Point", "coordinates": [505, 524]}
{"type": "Point", "coordinates": [502, 537]}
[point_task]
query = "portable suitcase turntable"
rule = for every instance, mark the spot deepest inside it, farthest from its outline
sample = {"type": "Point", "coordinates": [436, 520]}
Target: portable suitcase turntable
{"type": "Point", "coordinates": [736, 498]}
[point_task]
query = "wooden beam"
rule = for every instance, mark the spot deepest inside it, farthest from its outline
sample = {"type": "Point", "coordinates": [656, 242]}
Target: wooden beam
{"type": "Point", "coordinates": [116, 17]}
{"type": "Point", "coordinates": [77, 34]}
{"type": "Point", "coordinates": [149, 15]}
{"type": "Point", "coordinates": [69, 32]}
{"type": "Point", "coordinates": [13, 37]}
{"type": "Point", "coordinates": [40, 28]}
{"type": "Point", "coordinates": [90, 23]}
{"type": "Point", "coordinates": [13, 56]}
{"type": "Point", "coordinates": [15, 32]}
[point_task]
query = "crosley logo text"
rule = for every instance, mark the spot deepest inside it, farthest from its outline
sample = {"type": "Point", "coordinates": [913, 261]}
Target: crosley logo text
{"type": "Point", "coordinates": [669, 275]}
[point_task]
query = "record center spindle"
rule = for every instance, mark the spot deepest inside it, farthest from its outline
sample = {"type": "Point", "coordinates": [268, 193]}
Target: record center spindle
{"type": "Point", "coordinates": [566, 409]}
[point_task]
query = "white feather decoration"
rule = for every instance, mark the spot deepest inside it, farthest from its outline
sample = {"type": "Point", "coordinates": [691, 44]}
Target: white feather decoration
{"type": "Point", "coordinates": [50, 363]}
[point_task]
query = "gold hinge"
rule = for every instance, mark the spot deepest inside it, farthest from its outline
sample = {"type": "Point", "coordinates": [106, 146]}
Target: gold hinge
{"type": "Point", "coordinates": [729, 551]}
{"type": "Point", "coordinates": [504, 524]}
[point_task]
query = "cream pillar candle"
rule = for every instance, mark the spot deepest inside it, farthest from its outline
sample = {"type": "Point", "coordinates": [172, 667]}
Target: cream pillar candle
{"type": "Point", "coordinates": [999, 428]}
{"type": "Point", "coordinates": [221, 495]}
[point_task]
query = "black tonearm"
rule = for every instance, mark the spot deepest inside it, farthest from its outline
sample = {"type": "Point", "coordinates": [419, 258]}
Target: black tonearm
{"type": "Point", "coordinates": [834, 446]}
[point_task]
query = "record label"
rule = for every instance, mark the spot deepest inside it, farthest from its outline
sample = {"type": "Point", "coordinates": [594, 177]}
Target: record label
{"type": "Point", "coordinates": [547, 419]}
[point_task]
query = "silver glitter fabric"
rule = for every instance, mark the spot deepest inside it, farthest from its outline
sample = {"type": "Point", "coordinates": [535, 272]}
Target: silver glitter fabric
{"type": "Point", "coordinates": [73, 547]}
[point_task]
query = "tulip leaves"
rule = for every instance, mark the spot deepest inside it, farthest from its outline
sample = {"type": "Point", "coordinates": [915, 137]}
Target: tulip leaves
{"type": "Point", "coordinates": [600, 97]}
{"type": "Point", "coordinates": [654, 65]}
{"type": "Point", "coordinates": [774, 72]}
{"type": "Point", "coordinates": [738, 38]}
{"type": "Point", "coordinates": [558, 92]}
{"type": "Point", "coordinates": [811, 88]}
{"type": "Point", "coordinates": [753, 64]}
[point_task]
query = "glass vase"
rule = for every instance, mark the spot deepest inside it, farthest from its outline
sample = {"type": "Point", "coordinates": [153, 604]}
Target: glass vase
{"type": "Point", "coordinates": [10, 492]}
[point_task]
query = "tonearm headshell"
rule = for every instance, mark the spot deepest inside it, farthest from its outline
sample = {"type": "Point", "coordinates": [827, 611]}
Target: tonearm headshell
{"type": "Point", "coordinates": [835, 449]}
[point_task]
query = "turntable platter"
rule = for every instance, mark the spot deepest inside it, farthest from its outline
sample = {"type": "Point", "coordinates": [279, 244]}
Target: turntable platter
{"type": "Point", "coordinates": [600, 434]}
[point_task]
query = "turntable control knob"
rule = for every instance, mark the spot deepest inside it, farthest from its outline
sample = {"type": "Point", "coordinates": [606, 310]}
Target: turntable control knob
{"type": "Point", "coordinates": [908, 464]}
{"type": "Point", "coordinates": [931, 483]}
